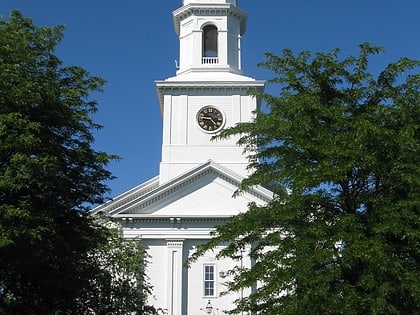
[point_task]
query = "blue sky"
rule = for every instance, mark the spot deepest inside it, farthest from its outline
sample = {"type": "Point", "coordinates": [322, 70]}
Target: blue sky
{"type": "Point", "coordinates": [132, 43]}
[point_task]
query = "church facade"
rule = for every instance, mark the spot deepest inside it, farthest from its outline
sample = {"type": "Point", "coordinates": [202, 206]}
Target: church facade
{"type": "Point", "coordinates": [175, 211]}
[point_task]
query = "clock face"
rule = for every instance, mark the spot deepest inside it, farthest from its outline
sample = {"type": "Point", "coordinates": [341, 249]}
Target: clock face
{"type": "Point", "coordinates": [210, 119]}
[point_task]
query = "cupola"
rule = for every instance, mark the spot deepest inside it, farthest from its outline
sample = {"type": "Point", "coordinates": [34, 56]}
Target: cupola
{"type": "Point", "coordinates": [209, 36]}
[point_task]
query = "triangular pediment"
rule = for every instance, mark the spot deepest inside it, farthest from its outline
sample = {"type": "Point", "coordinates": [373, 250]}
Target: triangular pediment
{"type": "Point", "coordinates": [205, 191]}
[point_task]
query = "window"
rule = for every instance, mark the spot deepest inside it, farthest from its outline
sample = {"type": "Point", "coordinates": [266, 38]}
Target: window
{"type": "Point", "coordinates": [210, 35]}
{"type": "Point", "coordinates": [209, 280]}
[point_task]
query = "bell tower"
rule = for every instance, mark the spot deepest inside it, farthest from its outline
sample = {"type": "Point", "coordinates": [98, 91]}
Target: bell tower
{"type": "Point", "coordinates": [209, 92]}
{"type": "Point", "coordinates": [209, 35]}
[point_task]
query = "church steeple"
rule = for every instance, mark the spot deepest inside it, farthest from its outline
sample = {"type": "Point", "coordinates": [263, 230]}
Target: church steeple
{"type": "Point", "coordinates": [209, 36]}
{"type": "Point", "coordinates": [209, 92]}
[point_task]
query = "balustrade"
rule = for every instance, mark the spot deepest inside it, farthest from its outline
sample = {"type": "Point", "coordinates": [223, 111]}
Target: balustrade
{"type": "Point", "coordinates": [210, 60]}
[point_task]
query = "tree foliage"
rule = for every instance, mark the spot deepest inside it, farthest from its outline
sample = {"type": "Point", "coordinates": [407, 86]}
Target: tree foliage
{"type": "Point", "coordinates": [119, 284]}
{"type": "Point", "coordinates": [49, 175]}
{"type": "Point", "coordinates": [339, 147]}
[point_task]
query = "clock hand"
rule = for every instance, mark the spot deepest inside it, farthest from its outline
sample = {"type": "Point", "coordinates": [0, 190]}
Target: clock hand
{"type": "Point", "coordinates": [209, 118]}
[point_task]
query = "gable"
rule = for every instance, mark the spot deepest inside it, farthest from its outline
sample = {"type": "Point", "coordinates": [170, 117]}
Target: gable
{"type": "Point", "coordinates": [206, 191]}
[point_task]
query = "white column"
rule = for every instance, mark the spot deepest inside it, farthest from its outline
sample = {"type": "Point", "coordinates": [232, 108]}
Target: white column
{"type": "Point", "coordinates": [174, 248]}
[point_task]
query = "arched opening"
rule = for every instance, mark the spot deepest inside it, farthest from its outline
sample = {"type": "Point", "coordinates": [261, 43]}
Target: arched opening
{"type": "Point", "coordinates": [210, 38]}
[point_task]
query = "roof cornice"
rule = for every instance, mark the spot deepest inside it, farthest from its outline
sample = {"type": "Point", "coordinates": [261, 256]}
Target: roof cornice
{"type": "Point", "coordinates": [204, 9]}
{"type": "Point", "coordinates": [204, 86]}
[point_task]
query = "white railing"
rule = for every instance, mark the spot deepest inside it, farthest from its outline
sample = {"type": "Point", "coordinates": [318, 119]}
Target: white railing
{"type": "Point", "coordinates": [210, 60]}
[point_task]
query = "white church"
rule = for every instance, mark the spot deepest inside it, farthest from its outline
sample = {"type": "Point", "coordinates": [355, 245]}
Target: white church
{"type": "Point", "coordinates": [175, 211]}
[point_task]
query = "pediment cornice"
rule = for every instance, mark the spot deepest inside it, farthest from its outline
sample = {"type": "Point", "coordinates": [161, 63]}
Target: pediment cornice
{"type": "Point", "coordinates": [130, 195]}
{"type": "Point", "coordinates": [132, 207]}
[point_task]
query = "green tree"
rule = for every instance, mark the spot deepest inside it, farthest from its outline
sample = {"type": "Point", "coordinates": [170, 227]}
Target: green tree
{"type": "Point", "coordinates": [119, 284]}
{"type": "Point", "coordinates": [49, 175]}
{"type": "Point", "coordinates": [339, 147]}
